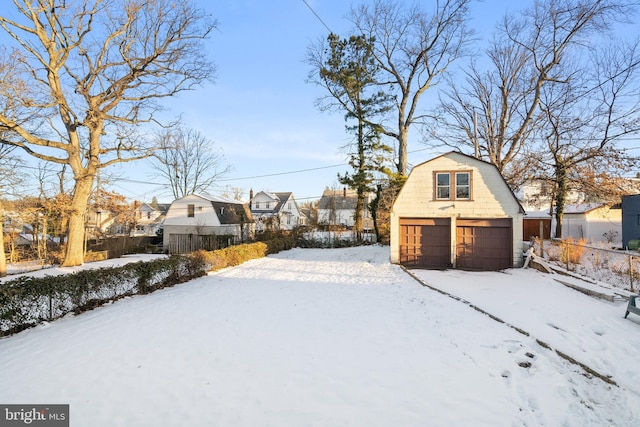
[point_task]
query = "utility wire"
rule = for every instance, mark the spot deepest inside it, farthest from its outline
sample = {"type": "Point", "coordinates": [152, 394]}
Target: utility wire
{"type": "Point", "coordinates": [284, 173]}
{"type": "Point", "coordinates": [317, 16]}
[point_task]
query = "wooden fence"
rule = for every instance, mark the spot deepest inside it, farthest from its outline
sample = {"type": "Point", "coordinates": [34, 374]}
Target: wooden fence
{"type": "Point", "coordinates": [186, 243]}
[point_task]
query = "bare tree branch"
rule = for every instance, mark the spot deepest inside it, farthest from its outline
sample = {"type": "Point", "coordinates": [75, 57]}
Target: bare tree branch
{"type": "Point", "coordinates": [88, 73]}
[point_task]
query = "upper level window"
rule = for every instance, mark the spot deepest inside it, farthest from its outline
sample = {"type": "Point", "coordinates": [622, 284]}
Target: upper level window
{"type": "Point", "coordinates": [268, 204]}
{"type": "Point", "coordinates": [191, 211]}
{"type": "Point", "coordinates": [453, 185]}
{"type": "Point", "coordinates": [463, 185]}
{"type": "Point", "coordinates": [443, 186]}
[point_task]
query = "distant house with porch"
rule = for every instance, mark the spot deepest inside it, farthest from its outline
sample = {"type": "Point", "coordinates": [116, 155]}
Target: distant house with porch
{"type": "Point", "coordinates": [149, 218]}
{"type": "Point", "coordinates": [276, 211]}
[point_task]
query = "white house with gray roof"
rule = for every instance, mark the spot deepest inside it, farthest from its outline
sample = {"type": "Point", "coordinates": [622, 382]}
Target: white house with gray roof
{"type": "Point", "coordinates": [276, 211]}
{"type": "Point", "coordinates": [205, 215]}
{"type": "Point", "coordinates": [338, 207]}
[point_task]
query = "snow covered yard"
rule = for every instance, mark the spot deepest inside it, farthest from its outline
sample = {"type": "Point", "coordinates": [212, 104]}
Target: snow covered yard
{"type": "Point", "coordinates": [335, 337]}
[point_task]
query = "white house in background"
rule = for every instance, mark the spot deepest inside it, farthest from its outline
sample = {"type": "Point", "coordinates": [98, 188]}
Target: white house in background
{"type": "Point", "coordinates": [597, 222]}
{"type": "Point", "coordinates": [149, 218]}
{"type": "Point", "coordinates": [338, 207]}
{"type": "Point", "coordinates": [278, 211]}
{"type": "Point", "coordinates": [537, 196]}
{"type": "Point", "coordinates": [205, 215]}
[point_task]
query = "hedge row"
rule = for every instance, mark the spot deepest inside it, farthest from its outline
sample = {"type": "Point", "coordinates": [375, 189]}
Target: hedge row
{"type": "Point", "coordinates": [27, 301]}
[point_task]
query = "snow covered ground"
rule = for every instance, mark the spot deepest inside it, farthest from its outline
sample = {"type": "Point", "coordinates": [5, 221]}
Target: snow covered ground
{"type": "Point", "coordinates": [336, 337]}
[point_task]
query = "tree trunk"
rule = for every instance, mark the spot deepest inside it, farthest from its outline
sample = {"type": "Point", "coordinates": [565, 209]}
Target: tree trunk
{"type": "Point", "coordinates": [561, 197]}
{"type": "Point", "coordinates": [3, 260]}
{"type": "Point", "coordinates": [374, 211]}
{"type": "Point", "coordinates": [402, 150]}
{"type": "Point", "coordinates": [357, 226]}
{"type": "Point", "coordinates": [75, 241]}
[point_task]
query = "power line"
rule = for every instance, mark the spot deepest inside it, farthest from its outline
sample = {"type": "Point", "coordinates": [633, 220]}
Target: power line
{"type": "Point", "coordinates": [317, 16]}
{"type": "Point", "coordinates": [284, 173]}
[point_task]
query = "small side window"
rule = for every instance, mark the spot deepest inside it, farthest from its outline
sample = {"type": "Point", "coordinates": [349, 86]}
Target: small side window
{"type": "Point", "coordinates": [191, 211]}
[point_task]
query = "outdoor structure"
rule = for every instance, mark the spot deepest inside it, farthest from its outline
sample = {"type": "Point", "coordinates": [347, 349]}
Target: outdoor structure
{"type": "Point", "coordinates": [456, 211]}
{"type": "Point", "coordinates": [275, 211]}
{"type": "Point", "coordinates": [536, 224]}
{"type": "Point", "coordinates": [338, 207]}
{"type": "Point", "coordinates": [630, 219]}
{"type": "Point", "coordinates": [203, 221]}
{"type": "Point", "coordinates": [596, 222]}
{"type": "Point", "coordinates": [149, 219]}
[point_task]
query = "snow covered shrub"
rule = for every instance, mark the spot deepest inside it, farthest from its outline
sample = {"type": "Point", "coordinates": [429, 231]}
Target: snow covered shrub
{"type": "Point", "coordinates": [26, 301]}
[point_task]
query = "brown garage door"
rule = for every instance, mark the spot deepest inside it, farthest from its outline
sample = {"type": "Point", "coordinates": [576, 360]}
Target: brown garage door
{"type": "Point", "coordinates": [425, 243]}
{"type": "Point", "coordinates": [484, 244]}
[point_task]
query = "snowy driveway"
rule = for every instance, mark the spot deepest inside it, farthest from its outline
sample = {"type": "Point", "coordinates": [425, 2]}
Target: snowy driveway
{"type": "Point", "coordinates": [338, 337]}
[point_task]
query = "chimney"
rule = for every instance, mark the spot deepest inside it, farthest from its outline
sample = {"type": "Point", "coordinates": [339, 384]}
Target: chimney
{"type": "Point", "coordinates": [250, 195]}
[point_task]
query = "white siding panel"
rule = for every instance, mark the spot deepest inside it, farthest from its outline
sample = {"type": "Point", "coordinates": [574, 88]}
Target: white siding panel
{"type": "Point", "coordinates": [204, 215]}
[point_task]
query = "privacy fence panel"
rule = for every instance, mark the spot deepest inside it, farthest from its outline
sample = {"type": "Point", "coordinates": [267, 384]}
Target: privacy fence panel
{"type": "Point", "coordinates": [187, 243]}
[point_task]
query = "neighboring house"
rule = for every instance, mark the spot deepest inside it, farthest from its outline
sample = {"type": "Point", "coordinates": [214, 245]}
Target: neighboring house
{"type": "Point", "coordinates": [630, 219]}
{"type": "Point", "coordinates": [338, 207]}
{"type": "Point", "coordinates": [537, 195]}
{"type": "Point", "coordinates": [205, 215]}
{"type": "Point", "coordinates": [456, 211]}
{"type": "Point", "coordinates": [145, 220]}
{"type": "Point", "coordinates": [276, 211]}
{"type": "Point", "coordinates": [149, 219]}
{"type": "Point", "coordinates": [20, 233]}
{"type": "Point", "coordinates": [596, 222]}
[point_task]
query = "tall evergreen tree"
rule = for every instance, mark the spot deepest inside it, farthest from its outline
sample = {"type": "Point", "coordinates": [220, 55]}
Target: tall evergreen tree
{"type": "Point", "coordinates": [348, 71]}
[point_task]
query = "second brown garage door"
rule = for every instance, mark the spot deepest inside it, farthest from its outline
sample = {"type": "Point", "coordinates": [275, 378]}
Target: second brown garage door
{"type": "Point", "coordinates": [484, 244]}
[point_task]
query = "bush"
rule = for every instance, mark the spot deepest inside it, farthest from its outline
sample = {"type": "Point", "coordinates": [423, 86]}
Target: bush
{"type": "Point", "coordinates": [26, 301]}
{"type": "Point", "coordinates": [572, 251]}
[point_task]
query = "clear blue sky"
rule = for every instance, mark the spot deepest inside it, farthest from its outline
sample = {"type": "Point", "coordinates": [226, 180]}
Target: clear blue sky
{"type": "Point", "coordinates": [260, 111]}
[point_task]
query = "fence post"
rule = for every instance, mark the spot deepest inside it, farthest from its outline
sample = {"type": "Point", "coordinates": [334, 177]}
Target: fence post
{"type": "Point", "coordinates": [631, 272]}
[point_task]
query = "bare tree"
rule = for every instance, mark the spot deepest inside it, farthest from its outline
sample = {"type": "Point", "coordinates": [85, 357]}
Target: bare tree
{"type": "Point", "coordinates": [9, 179]}
{"type": "Point", "coordinates": [414, 49]}
{"type": "Point", "coordinates": [186, 159]}
{"type": "Point", "coordinates": [585, 120]}
{"type": "Point", "coordinates": [94, 71]}
{"type": "Point", "coordinates": [499, 109]}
